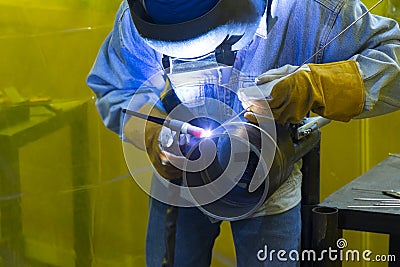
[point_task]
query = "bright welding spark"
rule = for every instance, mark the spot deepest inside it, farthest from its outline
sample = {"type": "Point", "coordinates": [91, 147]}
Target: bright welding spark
{"type": "Point", "coordinates": [206, 133]}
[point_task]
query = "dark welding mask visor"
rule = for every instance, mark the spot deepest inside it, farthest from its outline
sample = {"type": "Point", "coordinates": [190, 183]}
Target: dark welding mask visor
{"type": "Point", "coordinates": [227, 20]}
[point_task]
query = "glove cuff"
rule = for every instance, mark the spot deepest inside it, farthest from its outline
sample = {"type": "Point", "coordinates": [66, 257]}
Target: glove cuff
{"type": "Point", "coordinates": [342, 89]}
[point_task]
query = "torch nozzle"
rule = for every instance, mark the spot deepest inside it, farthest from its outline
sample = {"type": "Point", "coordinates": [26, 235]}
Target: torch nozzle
{"type": "Point", "coordinates": [174, 125]}
{"type": "Point", "coordinates": [184, 127]}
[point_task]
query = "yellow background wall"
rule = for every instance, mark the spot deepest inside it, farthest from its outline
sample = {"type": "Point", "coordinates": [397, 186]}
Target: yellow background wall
{"type": "Point", "coordinates": [349, 150]}
{"type": "Point", "coordinates": [89, 211]}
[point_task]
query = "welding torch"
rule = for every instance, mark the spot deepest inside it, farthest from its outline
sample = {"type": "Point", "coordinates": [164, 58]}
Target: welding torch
{"type": "Point", "coordinates": [174, 125]}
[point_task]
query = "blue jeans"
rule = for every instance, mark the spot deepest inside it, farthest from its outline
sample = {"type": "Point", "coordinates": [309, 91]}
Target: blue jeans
{"type": "Point", "coordinates": [195, 236]}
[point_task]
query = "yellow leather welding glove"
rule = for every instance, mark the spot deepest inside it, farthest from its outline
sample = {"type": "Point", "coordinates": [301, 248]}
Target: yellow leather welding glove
{"type": "Point", "coordinates": [157, 156]}
{"type": "Point", "coordinates": [333, 90]}
{"type": "Point", "coordinates": [133, 131]}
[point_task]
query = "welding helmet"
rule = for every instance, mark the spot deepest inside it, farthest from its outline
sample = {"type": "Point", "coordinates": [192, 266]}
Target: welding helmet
{"type": "Point", "coordinates": [190, 29]}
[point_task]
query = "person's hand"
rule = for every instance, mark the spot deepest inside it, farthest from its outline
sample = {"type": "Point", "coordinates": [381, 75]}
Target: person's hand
{"type": "Point", "coordinates": [157, 139]}
{"type": "Point", "coordinates": [333, 90]}
{"type": "Point", "coordinates": [148, 136]}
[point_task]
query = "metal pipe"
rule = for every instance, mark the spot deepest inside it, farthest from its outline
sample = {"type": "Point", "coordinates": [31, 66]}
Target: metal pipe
{"type": "Point", "coordinates": [326, 235]}
{"type": "Point", "coordinates": [310, 191]}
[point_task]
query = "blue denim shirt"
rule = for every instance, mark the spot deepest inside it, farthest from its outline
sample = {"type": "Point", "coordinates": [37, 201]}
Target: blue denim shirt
{"type": "Point", "coordinates": [290, 33]}
{"type": "Point", "coordinates": [295, 30]}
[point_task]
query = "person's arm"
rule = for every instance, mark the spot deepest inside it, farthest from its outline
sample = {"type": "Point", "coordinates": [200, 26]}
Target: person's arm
{"type": "Point", "coordinates": [123, 77]}
{"type": "Point", "coordinates": [376, 42]}
{"type": "Point", "coordinates": [357, 77]}
{"type": "Point", "coordinates": [124, 63]}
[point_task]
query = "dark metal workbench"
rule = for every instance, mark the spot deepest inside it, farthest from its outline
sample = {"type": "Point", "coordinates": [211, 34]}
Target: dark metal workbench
{"type": "Point", "coordinates": [386, 220]}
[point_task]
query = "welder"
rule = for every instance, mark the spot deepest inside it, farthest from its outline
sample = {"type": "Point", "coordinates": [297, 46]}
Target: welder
{"type": "Point", "coordinates": [356, 76]}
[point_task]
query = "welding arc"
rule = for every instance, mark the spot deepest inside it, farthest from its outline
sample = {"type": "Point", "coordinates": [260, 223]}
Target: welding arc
{"type": "Point", "coordinates": [154, 119]}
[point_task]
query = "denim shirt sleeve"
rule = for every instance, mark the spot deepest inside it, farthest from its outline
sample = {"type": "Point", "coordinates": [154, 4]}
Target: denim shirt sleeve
{"type": "Point", "coordinates": [374, 43]}
{"type": "Point", "coordinates": [123, 64]}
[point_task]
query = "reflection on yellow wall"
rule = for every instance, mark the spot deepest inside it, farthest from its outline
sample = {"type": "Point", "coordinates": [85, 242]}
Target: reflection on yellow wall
{"type": "Point", "coordinates": [66, 197]}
